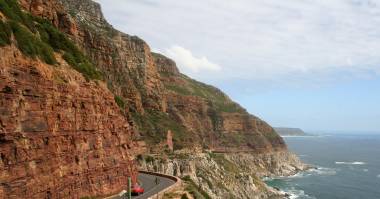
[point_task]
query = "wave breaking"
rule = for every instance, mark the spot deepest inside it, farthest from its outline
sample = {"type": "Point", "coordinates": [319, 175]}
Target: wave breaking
{"type": "Point", "coordinates": [351, 163]}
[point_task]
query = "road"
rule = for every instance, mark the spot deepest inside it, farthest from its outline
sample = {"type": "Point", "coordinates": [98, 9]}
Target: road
{"type": "Point", "coordinates": [148, 182]}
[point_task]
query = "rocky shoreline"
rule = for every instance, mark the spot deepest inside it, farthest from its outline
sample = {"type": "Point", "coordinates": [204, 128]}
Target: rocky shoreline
{"type": "Point", "coordinates": [237, 175]}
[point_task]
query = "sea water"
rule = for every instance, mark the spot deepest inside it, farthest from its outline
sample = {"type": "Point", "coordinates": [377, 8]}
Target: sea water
{"type": "Point", "coordinates": [347, 167]}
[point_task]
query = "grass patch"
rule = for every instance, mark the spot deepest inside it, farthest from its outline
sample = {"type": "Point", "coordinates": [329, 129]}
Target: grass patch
{"type": "Point", "coordinates": [30, 45]}
{"type": "Point", "coordinates": [201, 174]}
{"type": "Point", "coordinates": [194, 189]}
{"type": "Point", "coordinates": [5, 33]}
{"type": "Point", "coordinates": [154, 125]}
{"type": "Point", "coordinates": [184, 196]}
{"type": "Point", "coordinates": [37, 37]}
{"type": "Point", "coordinates": [149, 158]}
{"type": "Point", "coordinates": [227, 165]}
{"type": "Point", "coordinates": [192, 87]}
{"type": "Point", "coordinates": [178, 89]}
{"type": "Point", "coordinates": [120, 102]}
{"type": "Point", "coordinates": [170, 195]}
{"type": "Point", "coordinates": [72, 55]}
{"type": "Point", "coordinates": [11, 9]}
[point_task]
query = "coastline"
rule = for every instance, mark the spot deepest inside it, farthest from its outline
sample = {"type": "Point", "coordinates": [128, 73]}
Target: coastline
{"type": "Point", "coordinates": [286, 193]}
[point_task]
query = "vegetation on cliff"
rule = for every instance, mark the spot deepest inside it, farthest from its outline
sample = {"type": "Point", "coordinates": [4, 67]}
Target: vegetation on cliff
{"type": "Point", "coordinates": [155, 125]}
{"type": "Point", "coordinates": [5, 33]}
{"type": "Point", "coordinates": [229, 125]}
{"type": "Point", "coordinates": [219, 100]}
{"type": "Point", "coordinates": [37, 37]}
{"type": "Point", "coordinates": [194, 189]}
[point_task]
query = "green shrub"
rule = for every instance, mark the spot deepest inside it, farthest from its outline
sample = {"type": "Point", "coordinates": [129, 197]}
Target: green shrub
{"type": "Point", "coordinates": [30, 45]}
{"type": "Point", "coordinates": [184, 196]}
{"type": "Point", "coordinates": [154, 125]}
{"type": "Point", "coordinates": [46, 53]}
{"type": "Point", "coordinates": [54, 37]}
{"type": "Point", "coordinates": [72, 55]}
{"type": "Point", "coordinates": [12, 10]}
{"type": "Point", "coordinates": [228, 165]}
{"type": "Point", "coordinates": [178, 89]}
{"type": "Point", "coordinates": [5, 33]}
{"type": "Point", "coordinates": [24, 25]}
{"type": "Point", "coordinates": [195, 190]}
{"type": "Point", "coordinates": [120, 102]}
{"type": "Point", "coordinates": [149, 158]}
{"type": "Point", "coordinates": [25, 40]}
{"type": "Point", "coordinates": [140, 157]}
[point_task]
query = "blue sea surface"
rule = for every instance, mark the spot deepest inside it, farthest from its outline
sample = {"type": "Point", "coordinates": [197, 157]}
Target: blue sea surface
{"type": "Point", "coordinates": [348, 167]}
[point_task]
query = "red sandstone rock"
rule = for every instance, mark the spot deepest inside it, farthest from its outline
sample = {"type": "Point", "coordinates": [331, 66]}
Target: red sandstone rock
{"type": "Point", "coordinates": [58, 140]}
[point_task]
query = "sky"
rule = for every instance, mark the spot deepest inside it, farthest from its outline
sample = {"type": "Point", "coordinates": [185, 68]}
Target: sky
{"type": "Point", "coordinates": [312, 64]}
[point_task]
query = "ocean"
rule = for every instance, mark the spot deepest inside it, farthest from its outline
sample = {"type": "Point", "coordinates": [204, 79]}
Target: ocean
{"type": "Point", "coordinates": [348, 167]}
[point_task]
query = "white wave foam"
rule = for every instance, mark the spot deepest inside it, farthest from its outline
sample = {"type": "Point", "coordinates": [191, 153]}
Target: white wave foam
{"type": "Point", "coordinates": [351, 163]}
{"type": "Point", "coordinates": [378, 176]}
{"type": "Point", "coordinates": [322, 171]}
{"type": "Point", "coordinates": [317, 171]}
{"type": "Point", "coordinates": [297, 175]}
{"type": "Point", "coordinates": [365, 170]}
{"type": "Point", "coordinates": [267, 178]}
{"type": "Point", "coordinates": [296, 194]}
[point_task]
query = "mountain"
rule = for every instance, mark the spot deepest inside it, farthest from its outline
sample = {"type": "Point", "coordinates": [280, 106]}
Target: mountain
{"type": "Point", "coordinates": [58, 121]}
{"type": "Point", "coordinates": [84, 106]}
{"type": "Point", "coordinates": [290, 131]}
{"type": "Point", "coordinates": [158, 97]}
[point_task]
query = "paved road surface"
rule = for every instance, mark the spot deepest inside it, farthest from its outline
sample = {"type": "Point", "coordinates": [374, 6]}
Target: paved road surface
{"type": "Point", "coordinates": [148, 183]}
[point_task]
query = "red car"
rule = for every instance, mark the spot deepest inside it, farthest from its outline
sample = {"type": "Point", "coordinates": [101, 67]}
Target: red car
{"type": "Point", "coordinates": [137, 190]}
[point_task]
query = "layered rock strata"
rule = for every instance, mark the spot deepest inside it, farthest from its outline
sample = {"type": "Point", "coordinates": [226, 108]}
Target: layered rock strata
{"type": "Point", "coordinates": [60, 136]}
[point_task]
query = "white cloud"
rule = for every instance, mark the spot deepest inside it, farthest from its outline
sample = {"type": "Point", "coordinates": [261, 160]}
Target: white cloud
{"type": "Point", "coordinates": [292, 40]}
{"type": "Point", "coordinates": [187, 61]}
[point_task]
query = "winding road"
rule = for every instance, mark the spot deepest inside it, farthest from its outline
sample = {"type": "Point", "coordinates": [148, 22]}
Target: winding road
{"type": "Point", "coordinates": [148, 182]}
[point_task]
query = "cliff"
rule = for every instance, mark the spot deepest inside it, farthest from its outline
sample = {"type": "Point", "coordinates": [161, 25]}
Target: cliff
{"type": "Point", "coordinates": [215, 121]}
{"type": "Point", "coordinates": [289, 131]}
{"type": "Point", "coordinates": [57, 129]}
{"type": "Point", "coordinates": [158, 98]}
{"type": "Point", "coordinates": [79, 101]}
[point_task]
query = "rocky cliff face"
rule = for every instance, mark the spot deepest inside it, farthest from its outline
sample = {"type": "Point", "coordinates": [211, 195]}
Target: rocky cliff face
{"type": "Point", "coordinates": [57, 129]}
{"type": "Point", "coordinates": [57, 132]}
{"type": "Point", "coordinates": [125, 60]}
{"type": "Point", "coordinates": [219, 123]}
{"type": "Point", "coordinates": [159, 98]}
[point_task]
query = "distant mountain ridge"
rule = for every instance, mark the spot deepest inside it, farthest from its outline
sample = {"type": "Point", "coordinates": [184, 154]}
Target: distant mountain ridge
{"type": "Point", "coordinates": [284, 131]}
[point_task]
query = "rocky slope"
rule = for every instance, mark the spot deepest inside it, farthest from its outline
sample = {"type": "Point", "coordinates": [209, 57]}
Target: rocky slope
{"type": "Point", "coordinates": [57, 129]}
{"type": "Point", "coordinates": [216, 122]}
{"type": "Point", "coordinates": [226, 175]}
